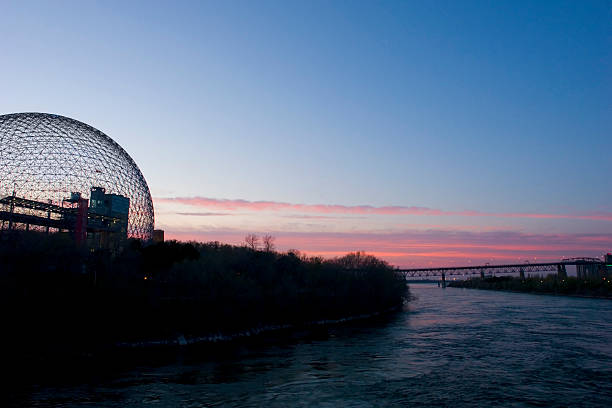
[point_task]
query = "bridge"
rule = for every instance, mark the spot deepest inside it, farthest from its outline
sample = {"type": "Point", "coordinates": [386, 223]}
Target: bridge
{"type": "Point", "coordinates": [584, 267]}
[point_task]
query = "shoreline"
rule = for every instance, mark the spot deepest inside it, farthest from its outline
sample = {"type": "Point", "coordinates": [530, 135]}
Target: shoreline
{"type": "Point", "coordinates": [534, 292]}
{"type": "Point", "coordinates": [182, 340]}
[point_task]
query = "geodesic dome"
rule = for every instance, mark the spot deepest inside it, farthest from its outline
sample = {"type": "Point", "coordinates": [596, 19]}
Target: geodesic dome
{"type": "Point", "coordinates": [45, 157]}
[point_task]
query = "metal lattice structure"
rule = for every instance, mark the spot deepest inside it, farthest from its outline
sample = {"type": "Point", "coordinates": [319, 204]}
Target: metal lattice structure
{"type": "Point", "coordinates": [501, 269]}
{"type": "Point", "coordinates": [45, 157]}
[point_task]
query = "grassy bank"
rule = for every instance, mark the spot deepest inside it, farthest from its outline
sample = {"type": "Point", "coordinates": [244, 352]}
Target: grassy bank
{"type": "Point", "coordinates": [550, 284]}
{"type": "Point", "coordinates": [53, 292]}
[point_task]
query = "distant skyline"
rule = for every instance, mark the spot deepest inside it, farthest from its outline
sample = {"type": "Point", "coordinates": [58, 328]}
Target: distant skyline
{"type": "Point", "coordinates": [428, 133]}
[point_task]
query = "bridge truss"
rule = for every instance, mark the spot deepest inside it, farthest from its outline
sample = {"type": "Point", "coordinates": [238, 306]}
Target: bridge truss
{"type": "Point", "coordinates": [509, 269]}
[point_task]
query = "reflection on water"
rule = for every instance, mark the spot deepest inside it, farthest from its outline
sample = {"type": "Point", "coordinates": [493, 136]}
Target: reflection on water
{"type": "Point", "coordinates": [457, 347]}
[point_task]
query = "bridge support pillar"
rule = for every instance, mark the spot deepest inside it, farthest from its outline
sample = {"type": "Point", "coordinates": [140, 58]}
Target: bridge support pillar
{"type": "Point", "coordinates": [522, 274]}
{"type": "Point", "coordinates": [482, 274]}
{"type": "Point", "coordinates": [561, 272]}
{"type": "Point", "coordinates": [443, 280]}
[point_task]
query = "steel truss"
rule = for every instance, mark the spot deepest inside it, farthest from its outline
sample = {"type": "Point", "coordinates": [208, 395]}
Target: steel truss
{"type": "Point", "coordinates": [498, 269]}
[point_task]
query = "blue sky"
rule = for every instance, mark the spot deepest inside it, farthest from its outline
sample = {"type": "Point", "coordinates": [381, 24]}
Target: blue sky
{"type": "Point", "coordinates": [496, 107]}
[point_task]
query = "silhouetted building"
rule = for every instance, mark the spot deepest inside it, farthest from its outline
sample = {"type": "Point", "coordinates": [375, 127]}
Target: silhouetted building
{"type": "Point", "coordinates": [158, 235]}
{"type": "Point", "coordinates": [104, 224]}
{"type": "Point", "coordinates": [108, 219]}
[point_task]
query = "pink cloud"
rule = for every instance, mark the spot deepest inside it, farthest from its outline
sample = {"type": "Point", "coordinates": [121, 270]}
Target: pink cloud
{"type": "Point", "coordinates": [425, 248]}
{"type": "Point", "coordinates": [203, 214]}
{"type": "Point", "coordinates": [274, 206]}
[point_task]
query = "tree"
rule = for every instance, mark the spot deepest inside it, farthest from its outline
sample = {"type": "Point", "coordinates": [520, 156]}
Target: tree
{"type": "Point", "coordinates": [268, 243]}
{"type": "Point", "coordinates": [252, 241]}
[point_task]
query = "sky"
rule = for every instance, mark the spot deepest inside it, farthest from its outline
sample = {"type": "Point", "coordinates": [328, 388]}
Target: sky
{"type": "Point", "coordinates": [429, 133]}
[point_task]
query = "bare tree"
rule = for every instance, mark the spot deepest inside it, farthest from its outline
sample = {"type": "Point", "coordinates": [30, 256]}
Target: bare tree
{"type": "Point", "coordinates": [268, 243]}
{"type": "Point", "coordinates": [294, 252]}
{"type": "Point", "coordinates": [252, 241]}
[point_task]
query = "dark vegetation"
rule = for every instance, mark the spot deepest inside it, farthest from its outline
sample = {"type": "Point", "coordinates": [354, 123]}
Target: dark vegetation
{"type": "Point", "coordinates": [594, 287]}
{"type": "Point", "coordinates": [55, 293]}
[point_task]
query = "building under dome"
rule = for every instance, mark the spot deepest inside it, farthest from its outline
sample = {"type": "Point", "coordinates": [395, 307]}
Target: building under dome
{"type": "Point", "coordinates": [59, 174]}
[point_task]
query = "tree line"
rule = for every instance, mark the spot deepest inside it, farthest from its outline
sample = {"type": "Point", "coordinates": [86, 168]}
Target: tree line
{"type": "Point", "coordinates": [54, 290]}
{"type": "Point", "coordinates": [553, 284]}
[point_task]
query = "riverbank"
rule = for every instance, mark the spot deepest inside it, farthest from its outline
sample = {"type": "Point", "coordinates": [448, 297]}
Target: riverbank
{"type": "Point", "coordinates": [550, 285]}
{"type": "Point", "coordinates": [67, 298]}
{"type": "Point", "coordinates": [219, 337]}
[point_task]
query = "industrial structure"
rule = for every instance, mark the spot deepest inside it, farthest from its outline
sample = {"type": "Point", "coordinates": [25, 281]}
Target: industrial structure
{"type": "Point", "coordinates": [158, 235]}
{"type": "Point", "coordinates": [58, 174]}
{"type": "Point", "coordinates": [102, 225]}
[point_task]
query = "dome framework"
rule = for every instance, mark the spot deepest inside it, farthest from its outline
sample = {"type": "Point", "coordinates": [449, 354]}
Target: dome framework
{"type": "Point", "coordinates": [46, 157]}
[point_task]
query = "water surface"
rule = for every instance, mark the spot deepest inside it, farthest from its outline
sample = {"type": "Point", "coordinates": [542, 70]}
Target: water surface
{"type": "Point", "coordinates": [459, 347]}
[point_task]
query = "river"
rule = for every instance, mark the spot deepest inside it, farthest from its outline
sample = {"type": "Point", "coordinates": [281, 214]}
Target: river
{"type": "Point", "coordinates": [459, 347]}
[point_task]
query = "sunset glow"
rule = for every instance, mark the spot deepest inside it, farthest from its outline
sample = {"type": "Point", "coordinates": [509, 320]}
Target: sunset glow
{"type": "Point", "coordinates": [422, 248]}
{"type": "Point", "coordinates": [427, 133]}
